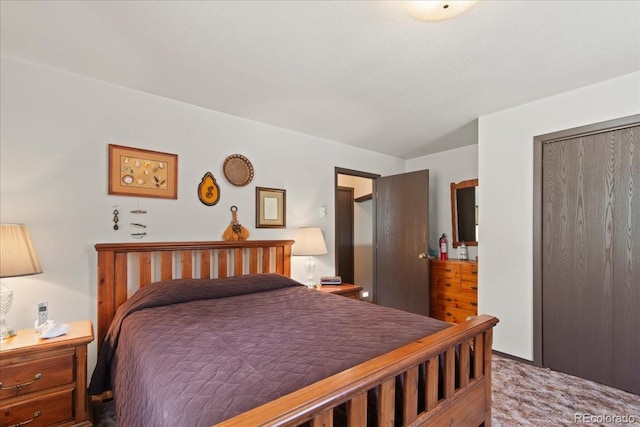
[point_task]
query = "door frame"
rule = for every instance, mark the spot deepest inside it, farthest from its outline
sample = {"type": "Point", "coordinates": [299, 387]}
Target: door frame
{"type": "Point", "coordinates": [361, 174]}
{"type": "Point", "coordinates": [538, 142]}
{"type": "Point", "coordinates": [340, 269]}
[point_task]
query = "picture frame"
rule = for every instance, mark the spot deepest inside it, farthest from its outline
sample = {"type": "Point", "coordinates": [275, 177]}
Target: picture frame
{"type": "Point", "coordinates": [142, 173]}
{"type": "Point", "coordinates": [271, 208]}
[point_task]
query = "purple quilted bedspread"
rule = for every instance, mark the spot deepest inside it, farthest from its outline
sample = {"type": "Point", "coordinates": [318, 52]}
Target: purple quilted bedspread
{"type": "Point", "coordinates": [196, 352]}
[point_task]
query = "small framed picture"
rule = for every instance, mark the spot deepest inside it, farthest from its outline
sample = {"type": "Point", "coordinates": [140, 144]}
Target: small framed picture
{"type": "Point", "coordinates": [142, 173]}
{"type": "Point", "coordinates": [271, 208]}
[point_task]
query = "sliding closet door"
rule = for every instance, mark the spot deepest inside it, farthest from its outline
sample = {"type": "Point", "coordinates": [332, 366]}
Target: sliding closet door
{"type": "Point", "coordinates": [591, 257]}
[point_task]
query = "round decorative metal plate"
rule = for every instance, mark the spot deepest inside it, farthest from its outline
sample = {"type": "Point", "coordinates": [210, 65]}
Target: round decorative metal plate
{"type": "Point", "coordinates": [238, 170]}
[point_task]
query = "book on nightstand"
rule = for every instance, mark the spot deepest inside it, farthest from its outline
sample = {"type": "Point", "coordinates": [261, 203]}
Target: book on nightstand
{"type": "Point", "coordinates": [330, 280]}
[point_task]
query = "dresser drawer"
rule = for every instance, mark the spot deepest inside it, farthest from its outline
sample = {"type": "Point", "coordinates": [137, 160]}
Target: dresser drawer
{"type": "Point", "coordinates": [453, 289]}
{"type": "Point", "coordinates": [453, 315]}
{"type": "Point", "coordinates": [440, 283]}
{"type": "Point", "coordinates": [22, 375]}
{"type": "Point", "coordinates": [457, 300]}
{"type": "Point", "coordinates": [43, 410]}
{"type": "Point", "coordinates": [469, 286]}
{"type": "Point", "coordinates": [469, 271]}
{"type": "Point", "coordinates": [445, 270]}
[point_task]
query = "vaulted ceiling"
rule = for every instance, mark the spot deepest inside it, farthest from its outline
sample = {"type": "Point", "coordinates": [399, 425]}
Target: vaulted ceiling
{"type": "Point", "coordinates": [363, 73]}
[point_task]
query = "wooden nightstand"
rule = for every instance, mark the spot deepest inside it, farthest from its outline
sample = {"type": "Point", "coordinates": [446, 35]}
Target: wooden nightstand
{"type": "Point", "coordinates": [44, 381]}
{"type": "Point", "coordinates": [346, 290]}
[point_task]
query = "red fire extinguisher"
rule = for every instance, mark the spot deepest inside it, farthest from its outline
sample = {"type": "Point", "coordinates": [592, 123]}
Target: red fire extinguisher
{"type": "Point", "coordinates": [443, 247]}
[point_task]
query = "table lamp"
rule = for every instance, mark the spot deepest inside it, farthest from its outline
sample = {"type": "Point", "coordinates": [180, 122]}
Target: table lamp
{"type": "Point", "coordinates": [17, 258]}
{"type": "Point", "coordinates": [309, 242]}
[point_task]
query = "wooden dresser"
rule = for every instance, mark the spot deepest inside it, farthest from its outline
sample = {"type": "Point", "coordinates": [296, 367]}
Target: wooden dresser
{"type": "Point", "coordinates": [453, 291]}
{"type": "Point", "coordinates": [44, 381]}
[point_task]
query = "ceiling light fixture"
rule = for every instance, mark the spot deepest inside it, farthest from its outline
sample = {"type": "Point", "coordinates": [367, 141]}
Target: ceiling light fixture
{"type": "Point", "coordinates": [430, 10]}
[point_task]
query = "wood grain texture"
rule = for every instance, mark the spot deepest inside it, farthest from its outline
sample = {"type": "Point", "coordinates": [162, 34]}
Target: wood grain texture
{"type": "Point", "coordinates": [144, 268]}
{"type": "Point", "coordinates": [266, 259]}
{"type": "Point", "coordinates": [48, 376]}
{"type": "Point", "coordinates": [120, 273]}
{"type": "Point", "coordinates": [238, 261]}
{"type": "Point", "coordinates": [402, 228]}
{"type": "Point", "coordinates": [590, 260]}
{"type": "Point", "coordinates": [464, 370]}
{"type": "Point", "coordinates": [410, 395]}
{"type": "Point", "coordinates": [449, 372]}
{"type": "Point", "coordinates": [166, 269]}
{"type": "Point", "coordinates": [466, 405]}
{"type": "Point", "coordinates": [154, 261]}
{"type": "Point", "coordinates": [205, 264]}
{"type": "Point", "coordinates": [107, 290]}
{"type": "Point", "coordinates": [626, 264]}
{"type": "Point", "coordinates": [186, 263]}
{"type": "Point", "coordinates": [453, 286]}
{"type": "Point", "coordinates": [386, 413]}
{"type": "Point", "coordinates": [253, 260]}
{"type": "Point", "coordinates": [431, 372]}
{"type": "Point", "coordinates": [222, 264]}
{"type": "Point", "coordinates": [357, 410]}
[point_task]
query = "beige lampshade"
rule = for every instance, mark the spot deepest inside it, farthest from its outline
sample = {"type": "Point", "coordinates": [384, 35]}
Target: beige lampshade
{"type": "Point", "coordinates": [309, 241]}
{"type": "Point", "coordinates": [17, 255]}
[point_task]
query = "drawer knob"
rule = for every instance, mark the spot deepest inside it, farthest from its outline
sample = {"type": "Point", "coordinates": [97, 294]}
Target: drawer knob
{"type": "Point", "coordinates": [475, 288]}
{"type": "Point", "coordinates": [475, 304]}
{"type": "Point", "coordinates": [448, 284]}
{"type": "Point", "coordinates": [36, 377]}
{"type": "Point", "coordinates": [449, 314]}
{"type": "Point", "coordinates": [448, 270]}
{"type": "Point", "coordinates": [25, 422]}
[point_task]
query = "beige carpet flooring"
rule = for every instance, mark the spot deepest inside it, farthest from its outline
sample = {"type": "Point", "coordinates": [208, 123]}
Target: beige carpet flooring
{"type": "Point", "coordinates": [524, 395]}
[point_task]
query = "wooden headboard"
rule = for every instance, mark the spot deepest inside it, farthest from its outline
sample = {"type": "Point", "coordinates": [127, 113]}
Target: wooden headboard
{"type": "Point", "coordinates": [123, 268]}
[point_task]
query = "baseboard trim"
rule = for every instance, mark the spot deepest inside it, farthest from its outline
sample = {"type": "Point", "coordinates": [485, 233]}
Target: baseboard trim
{"type": "Point", "coordinates": [512, 357]}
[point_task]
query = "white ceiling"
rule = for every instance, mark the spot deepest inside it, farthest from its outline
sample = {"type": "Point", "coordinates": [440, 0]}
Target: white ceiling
{"type": "Point", "coordinates": [357, 72]}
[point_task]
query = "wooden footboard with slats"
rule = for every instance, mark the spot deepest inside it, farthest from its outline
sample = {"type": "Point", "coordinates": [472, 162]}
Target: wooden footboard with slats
{"type": "Point", "coordinates": [445, 377]}
{"type": "Point", "coordinates": [462, 402]}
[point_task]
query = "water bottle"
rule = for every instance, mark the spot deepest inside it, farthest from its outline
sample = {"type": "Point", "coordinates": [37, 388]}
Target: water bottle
{"type": "Point", "coordinates": [462, 251]}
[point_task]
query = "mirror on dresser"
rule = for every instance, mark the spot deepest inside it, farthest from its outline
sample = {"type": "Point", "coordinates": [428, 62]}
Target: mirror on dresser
{"type": "Point", "coordinates": [464, 213]}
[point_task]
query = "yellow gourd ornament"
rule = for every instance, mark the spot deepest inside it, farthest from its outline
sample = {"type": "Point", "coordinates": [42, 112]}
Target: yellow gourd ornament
{"type": "Point", "coordinates": [208, 190]}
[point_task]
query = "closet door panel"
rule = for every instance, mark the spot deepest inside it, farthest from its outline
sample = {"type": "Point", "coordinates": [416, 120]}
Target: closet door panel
{"type": "Point", "coordinates": [591, 257]}
{"type": "Point", "coordinates": [626, 264]}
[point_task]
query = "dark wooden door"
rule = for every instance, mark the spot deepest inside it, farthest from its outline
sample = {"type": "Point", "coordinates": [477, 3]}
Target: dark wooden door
{"type": "Point", "coordinates": [591, 257]}
{"type": "Point", "coordinates": [344, 234]}
{"type": "Point", "coordinates": [402, 228]}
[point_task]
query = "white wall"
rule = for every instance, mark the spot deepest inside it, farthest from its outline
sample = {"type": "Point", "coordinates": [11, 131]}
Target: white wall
{"type": "Point", "coordinates": [53, 177]}
{"type": "Point", "coordinates": [54, 132]}
{"type": "Point", "coordinates": [506, 197]}
{"type": "Point", "coordinates": [455, 165]}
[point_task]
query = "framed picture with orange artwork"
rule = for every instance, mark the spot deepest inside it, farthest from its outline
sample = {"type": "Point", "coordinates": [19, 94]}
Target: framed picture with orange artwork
{"type": "Point", "coordinates": [142, 173]}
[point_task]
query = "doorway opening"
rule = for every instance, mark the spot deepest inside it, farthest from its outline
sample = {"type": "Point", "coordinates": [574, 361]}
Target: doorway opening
{"type": "Point", "coordinates": [354, 228]}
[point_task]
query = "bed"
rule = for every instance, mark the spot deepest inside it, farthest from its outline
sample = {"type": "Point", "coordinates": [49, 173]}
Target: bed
{"type": "Point", "coordinates": [187, 334]}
